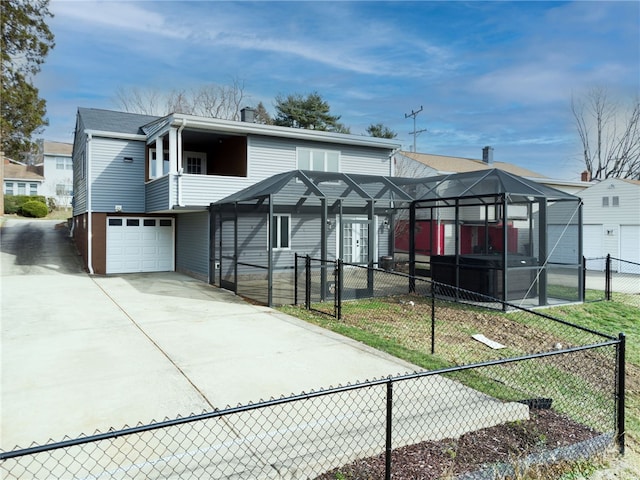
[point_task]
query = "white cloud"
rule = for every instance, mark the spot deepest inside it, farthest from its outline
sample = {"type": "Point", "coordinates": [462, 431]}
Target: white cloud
{"type": "Point", "coordinates": [122, 16]}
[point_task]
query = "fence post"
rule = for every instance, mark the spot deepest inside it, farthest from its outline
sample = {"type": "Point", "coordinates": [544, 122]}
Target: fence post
{"type": "Point", "coordinates": [388, 440]}
{"type": "Point", "coordinates": [340, 278]}
{"type": "Point", "coordinates": [307, 282]}
{"type": "Point", "coordinates": [584, 279]}
{"type": "Point", "coordinates": [607, 281]}
{"type": "Point", "coordinates": [295, 279]}
{"type": "Point", "coordinates": [433, 319]}
{"type": "Point", "coordinates": [620, 391]}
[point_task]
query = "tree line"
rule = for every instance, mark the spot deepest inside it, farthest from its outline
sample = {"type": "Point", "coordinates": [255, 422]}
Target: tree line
{"type": "Point", "coordinates": [609, 132]}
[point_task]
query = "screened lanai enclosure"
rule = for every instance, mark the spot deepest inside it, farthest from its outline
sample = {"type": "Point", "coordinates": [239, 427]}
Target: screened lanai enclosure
{"type": "Point", "coordinates": [488, 232]}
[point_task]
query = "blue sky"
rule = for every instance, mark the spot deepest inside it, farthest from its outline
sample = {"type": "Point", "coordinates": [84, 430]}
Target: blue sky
{"type": "Point", "coordinates": [485, 73]}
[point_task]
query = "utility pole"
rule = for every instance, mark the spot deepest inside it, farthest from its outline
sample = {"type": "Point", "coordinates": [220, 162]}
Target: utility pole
{"type": "Point", "coordinates": [415, 132]}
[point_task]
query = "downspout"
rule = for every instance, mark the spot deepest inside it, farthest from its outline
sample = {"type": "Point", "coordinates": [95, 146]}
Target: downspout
{"type": "Point", "coordinates": [89, 212]}
{"type": "Point", "coordinates": [179, 161]}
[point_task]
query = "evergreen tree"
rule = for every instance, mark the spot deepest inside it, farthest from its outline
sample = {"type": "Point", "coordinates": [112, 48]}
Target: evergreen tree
{"type": "Point", "coordinates": [381, 131]}
{"type": "Point", "coordinates": [311, 112]}
{"type": "Point", "coordinates": [26, 41]}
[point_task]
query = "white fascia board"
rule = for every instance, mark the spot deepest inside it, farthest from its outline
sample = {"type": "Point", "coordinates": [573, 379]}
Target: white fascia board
{"type": "Point", "coordinates": [244, 128]}
{"type": "Point", "coordinates": [118, 135]}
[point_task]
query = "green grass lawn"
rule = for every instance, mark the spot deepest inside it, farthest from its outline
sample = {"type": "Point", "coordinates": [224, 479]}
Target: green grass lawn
{"type": "Point", "coordinates": [387, 326]}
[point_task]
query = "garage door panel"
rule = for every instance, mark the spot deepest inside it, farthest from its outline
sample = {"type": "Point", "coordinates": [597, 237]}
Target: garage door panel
{"type": "Point", "coordinates": [629, 248]}
{"type": "Point", "coordinates": [593, 249]}
{"type": "Point", "coordinates": [562, 244]}
{"type": "Point", "coordinates": [139, 245]}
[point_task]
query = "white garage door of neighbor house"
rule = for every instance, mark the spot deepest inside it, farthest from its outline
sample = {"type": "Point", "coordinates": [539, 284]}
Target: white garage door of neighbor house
{"type": "Point", "coordinates": [139, 244]}
{"type": "Point", "coordinates": [592, 247]}
{"type": "Point", "coordinates": [562, 244]}
{"type": "Point", "coordinates": [629, 248]}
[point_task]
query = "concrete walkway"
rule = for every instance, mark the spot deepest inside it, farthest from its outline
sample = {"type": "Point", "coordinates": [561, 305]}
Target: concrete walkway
{"type": "Point", "coordinates": [82, 354]}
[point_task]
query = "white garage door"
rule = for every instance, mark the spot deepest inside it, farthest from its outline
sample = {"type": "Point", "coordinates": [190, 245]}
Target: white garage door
{"type": "Point", "coordinates": [592, 237]}
{"type": "Point", "coordinates": [562, 244]}
{"type": "Point", "coordinates": [629, 248]}
{"type": "Point", "coordinates": [139, 244]}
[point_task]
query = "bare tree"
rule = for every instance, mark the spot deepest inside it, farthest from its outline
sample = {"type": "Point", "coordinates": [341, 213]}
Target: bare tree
{"type": "Point", "coordinates": [216, 101]}
{"type": "Point", "coordinates": [610, 135]}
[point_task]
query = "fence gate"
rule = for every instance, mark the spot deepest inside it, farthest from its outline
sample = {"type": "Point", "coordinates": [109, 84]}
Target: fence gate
{"type": "Point", "coordinates": [317, 284]}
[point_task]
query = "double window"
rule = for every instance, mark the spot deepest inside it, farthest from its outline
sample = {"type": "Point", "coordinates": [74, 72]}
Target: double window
{"type": "Point", "coordinates": [281, 231]}
{"type": "Point", "coordinates": [64, 164]}
{"type": "Point", "coordinates": [318, 160]}
{"type": "Point", "coordinates": [64, 189]}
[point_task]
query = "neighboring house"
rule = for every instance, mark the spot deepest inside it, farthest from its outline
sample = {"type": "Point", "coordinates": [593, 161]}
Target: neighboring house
{"type": "Point", "coordinates": [410, 164]}
{"type": "Point", "coordinates": [22, 179]}
{"type": "Point", "coordinates": [58, 172]}
{"type": "Point", "coordinates": [611, 222]}
{"type": "Point", "coordinates": [138, 210]}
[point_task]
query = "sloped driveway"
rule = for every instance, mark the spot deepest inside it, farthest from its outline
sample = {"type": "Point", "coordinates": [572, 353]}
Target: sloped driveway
{"type": "Point", "coordinates": [82, 353]}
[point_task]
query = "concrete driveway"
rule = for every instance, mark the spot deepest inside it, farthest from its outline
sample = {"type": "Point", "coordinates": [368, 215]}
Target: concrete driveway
{"type": "Point", "coordinates": [82, 353]}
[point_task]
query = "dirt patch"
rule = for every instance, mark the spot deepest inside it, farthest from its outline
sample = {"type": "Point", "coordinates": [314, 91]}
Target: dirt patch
{"type": "Point", "coordinates": [546, 430]}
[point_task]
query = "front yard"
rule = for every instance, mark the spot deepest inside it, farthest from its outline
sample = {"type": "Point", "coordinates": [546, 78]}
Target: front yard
{"type": "Point", "coordinates": [581, 383]}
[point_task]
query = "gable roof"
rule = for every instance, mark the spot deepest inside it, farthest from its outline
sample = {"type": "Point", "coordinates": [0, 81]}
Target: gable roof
{"type": "Point", "coordinates": [57, 148]}
{"type": "Point", "coordinates": [13, 171]}
{"type": "Point", "coordinates": [112, 121]}
{"type": "Point", "coordinates": [445, 164]}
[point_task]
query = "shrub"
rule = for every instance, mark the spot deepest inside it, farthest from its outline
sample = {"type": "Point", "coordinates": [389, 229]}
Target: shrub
{"type": "Point", "coordinates": [13, 203]}
{"type": "Point", "coordinates": [34, 208]}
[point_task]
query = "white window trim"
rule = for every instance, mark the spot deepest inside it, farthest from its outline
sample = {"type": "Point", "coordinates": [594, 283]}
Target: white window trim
{"type": "Point", "coordinates": [152, 160]}
{"type": "Point", "coordinates": [201, 155]}
{"type": "Point", "coordinates": [279, 231]}
{"type": "Point", "coordinates": [324, 151]}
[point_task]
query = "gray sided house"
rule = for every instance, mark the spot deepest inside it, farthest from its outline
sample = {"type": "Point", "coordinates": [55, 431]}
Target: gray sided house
{"type": "Point", "coordinates": [136, 210]}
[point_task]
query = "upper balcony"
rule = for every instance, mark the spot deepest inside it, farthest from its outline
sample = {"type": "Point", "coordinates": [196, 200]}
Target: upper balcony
{"type": "Point", "coordinates": [196, 168]}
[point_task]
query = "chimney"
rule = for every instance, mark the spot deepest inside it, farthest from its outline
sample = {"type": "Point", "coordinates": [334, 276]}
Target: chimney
{"type": "Point", "coordinates": [487, 155]}
{"type": "Point", "coordinates": [248, 114]}
{"type": "Point", "coordinates": [585, 176]}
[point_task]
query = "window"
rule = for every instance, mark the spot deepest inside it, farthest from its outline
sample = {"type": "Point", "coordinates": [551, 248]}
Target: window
{"type": "Point", "coordinates": [115, 222]}
{"type": "Point", "coordinates": [280, 231]}
{"type": "Point", "coordinates": [133, 222]}
{"type": "Point", "coordinates": [64, 189]}
{"type": "Point", "coordinates": [33, 189]}
{"type": "Point", "coordinates": [64, 164]}
{"type": "Point", "coordinates": [605, 201]}
{"type": "Point", "coordinates": [615, 201]}
{"type": "Point", "coordinates": [8, 188]}
{"type": "Point", "coordinates": [22, 188]}
{"type": "Point", "coordinates": [195, 163]}
{"type": "Point", "coordinates": [152, 163]}
{"type": "Point", "coordinates": [165, 223]}
{"type": "Point", "coordinates": [318, 160]}
{"type": "Point", "coordinates": [149, 222]}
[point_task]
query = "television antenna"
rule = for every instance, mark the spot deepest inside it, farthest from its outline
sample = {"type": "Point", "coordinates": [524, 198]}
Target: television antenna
{"type": "Point", "coordinates": [415, 132]}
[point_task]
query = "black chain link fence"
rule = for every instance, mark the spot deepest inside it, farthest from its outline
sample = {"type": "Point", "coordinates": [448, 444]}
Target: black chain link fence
{"type": "Point", "coordinates": [609, 278]}
{"type": "Point", "coordinates": [458, 420]}
{"type": "Point", "coordinates": [498, 386]}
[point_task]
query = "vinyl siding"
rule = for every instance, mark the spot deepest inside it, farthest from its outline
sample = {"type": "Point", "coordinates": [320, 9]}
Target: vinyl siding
{"type": "Point", "coordinates": [116, 182]}
{"type": "Point", "coordinates": [157, 194]}
{"type": "Point", "coordinates": [79, 181]}
{"type": "Point", "coordinates": [192, 244]}
{"type": "Point", "coordinates": [269, 156]}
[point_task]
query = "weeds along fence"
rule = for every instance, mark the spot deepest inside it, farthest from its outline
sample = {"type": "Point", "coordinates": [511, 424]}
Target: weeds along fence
{"type": "Point", "coordinates": [610, 278]}
{"type": "Point", "coordinates": [553, 405]}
